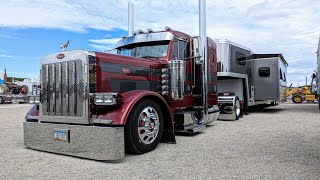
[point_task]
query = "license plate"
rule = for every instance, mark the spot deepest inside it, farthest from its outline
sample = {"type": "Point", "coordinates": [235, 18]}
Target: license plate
{"type": "Point", "coordinates": [61, 135]}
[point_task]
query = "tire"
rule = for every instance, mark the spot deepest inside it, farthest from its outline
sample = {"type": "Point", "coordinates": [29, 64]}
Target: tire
{"type": "Point", "coordinates": [237, 108]}
{"type": "Point", "coordinates": [16, 90]}
{"type": "Point", "coordinates": [3, 89]}
{"type": "Point", "coordinates": [24, 89]}
{"type": "Point", "coordinates": [136, 139]}
{"type": "Point", "coordinates": [1, 100]}
{"type": "Point", "coordinates": [297, 98]}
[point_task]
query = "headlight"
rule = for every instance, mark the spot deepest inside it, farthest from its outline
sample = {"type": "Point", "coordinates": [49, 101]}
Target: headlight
{"type": "Point", "coordinates": [37, 99]}
{"type": "Point", "coordinates": [31, 100]}
{"type": "Point", "coordinates": [34, 99]}
{"type": "Point", "coordinates": [107, 98]}
{"type": "Point", "coordinates": [99, 99]}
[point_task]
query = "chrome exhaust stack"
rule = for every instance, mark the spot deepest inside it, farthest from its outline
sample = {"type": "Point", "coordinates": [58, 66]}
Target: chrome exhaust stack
{"type": "Point", "coordinates": [203, 58]}
{"type": "Point", "coordinates": [130, 18]}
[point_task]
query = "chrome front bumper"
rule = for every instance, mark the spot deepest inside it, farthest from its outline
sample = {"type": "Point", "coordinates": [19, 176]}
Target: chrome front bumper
{"type": "Point", "coordinates": [92, 142]}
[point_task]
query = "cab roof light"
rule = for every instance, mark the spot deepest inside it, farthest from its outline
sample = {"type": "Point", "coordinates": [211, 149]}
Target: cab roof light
{"type": "Point", "coordinates": [140, 31]}
{"type": "Point", "coordinates": [168, 28]}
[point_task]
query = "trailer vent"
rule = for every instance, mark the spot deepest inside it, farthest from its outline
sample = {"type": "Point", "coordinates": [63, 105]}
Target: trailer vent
{"type": "Point", "coordinates": [62, 89]}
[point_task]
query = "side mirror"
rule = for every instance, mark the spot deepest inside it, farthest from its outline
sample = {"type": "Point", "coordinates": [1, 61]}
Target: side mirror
{"type": "Point", "coordinates": [197, 51]}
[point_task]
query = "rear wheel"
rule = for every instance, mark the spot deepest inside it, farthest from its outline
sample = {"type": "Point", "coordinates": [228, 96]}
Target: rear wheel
{"type": "Point", "coordinates": [144, 127]}
{"type": "Point", "coordinates": [297, 98]}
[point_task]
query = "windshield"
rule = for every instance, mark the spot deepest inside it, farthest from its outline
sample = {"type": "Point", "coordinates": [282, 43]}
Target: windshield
{"type": "Point", "coordinates": [145, 50]}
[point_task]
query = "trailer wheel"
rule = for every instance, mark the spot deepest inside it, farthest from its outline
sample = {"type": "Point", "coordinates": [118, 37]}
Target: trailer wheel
{"type": "Point", "coordinates": [237, 108]}
{"type": "Point", "coordinates": [144, 127]}
{"type": "Point", "coordinates": [297, 98]}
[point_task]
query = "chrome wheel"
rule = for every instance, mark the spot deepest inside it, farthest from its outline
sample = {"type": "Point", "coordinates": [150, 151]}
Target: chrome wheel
{"type": "Point", "coordinates": [148, 125]}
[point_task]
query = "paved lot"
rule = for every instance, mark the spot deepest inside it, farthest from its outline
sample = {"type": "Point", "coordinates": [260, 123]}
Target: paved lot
{"type": "Point", "coordinates": [275, 143]}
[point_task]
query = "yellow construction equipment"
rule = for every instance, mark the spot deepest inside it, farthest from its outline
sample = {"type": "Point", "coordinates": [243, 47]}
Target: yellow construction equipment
{"type": "Point", "coordinates": [303, 93]}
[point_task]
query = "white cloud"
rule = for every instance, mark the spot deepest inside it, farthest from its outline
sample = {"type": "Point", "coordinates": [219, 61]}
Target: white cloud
{"type": "Point", "coordinates": [104, 44]}
{"type": "Point", "coordinates": [5, 56]}
{"type": "Point", "coordinates": [105, 41]}
{"type": "Point", "coordinates": [102, 47]}
{"type": "Point", "coordinates": [23, 74]}
{"type": "Point", "coordinates": [265, 26]}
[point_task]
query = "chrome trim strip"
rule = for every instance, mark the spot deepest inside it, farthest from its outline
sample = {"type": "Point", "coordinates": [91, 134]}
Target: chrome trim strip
{"type": "Point", "coordinates": [67, 87]}
{"type": "Point", "coordinates": [32, 117]}
{"type": "Point", "coordinates": [60, 89]}
{"type": "Point", "coordinates": [54, 109]}
{"type": "Point", "coordinates": [101, 121]}
{"type": "Point", "coordinates": [75, 88]}
{"type": "Point", "coordinates": [48, 92]}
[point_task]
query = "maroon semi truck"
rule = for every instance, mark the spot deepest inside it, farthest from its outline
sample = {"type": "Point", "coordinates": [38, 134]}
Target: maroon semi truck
{"type": "Point", "coordinates": [95, 104]}
{"type": "Point", "coordinates": [98, 105]}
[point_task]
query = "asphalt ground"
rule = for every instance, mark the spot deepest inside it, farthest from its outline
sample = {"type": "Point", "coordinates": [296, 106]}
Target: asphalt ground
{"type": "Point", "coordinates": [280, 142]}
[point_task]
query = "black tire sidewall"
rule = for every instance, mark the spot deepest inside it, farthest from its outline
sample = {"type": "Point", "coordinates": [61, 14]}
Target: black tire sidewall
{"type": "Point", "coordinates": [131, 130]}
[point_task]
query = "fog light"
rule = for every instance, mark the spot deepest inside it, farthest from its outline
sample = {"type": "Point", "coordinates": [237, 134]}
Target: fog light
{"type": "Point", "coordinates": [34, 99]}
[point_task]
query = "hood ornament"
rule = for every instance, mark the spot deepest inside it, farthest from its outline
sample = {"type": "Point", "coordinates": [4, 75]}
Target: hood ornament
{"type": "Point", "coordinates": [64, 46]}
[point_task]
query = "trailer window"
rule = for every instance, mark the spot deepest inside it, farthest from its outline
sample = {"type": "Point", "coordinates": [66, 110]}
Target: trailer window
{"type": "Point", "coordinates": [240, 58]}
{"type": "Point", "coordinates": [264, 72]}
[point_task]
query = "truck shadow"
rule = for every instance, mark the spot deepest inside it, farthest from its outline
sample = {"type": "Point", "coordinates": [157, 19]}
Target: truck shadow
{"type": "Point", "coordinates": [265, 110]}
{"type": "Point", "coordinates": [185, 134]}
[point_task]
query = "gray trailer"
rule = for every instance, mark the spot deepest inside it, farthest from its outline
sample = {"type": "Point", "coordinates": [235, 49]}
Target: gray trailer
{"type": "Point", "coordinates": [253, 79]}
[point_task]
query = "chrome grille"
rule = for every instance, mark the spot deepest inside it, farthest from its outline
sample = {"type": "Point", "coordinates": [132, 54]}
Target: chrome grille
{"type": "Point", "coordinates": [62, 89]}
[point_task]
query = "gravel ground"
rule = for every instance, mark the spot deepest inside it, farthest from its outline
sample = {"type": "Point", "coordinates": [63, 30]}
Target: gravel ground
{"type": "Point", "coordinates": [275, 143]}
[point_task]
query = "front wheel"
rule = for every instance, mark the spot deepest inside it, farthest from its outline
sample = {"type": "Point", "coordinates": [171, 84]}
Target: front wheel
{"type": "Point", "coordinates": [297, 98]}
{"type": "Point", "coordinates": [144, 127]}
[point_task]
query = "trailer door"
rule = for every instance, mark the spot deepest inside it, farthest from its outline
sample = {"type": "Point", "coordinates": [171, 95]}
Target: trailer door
{"type": "Point", "coordinates": [265, 77]}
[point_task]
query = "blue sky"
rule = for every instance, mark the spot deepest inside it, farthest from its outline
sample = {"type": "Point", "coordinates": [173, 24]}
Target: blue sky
{"type": "Point", "coordinates": [21, 49]}
{"type": "Point", "coordinates": [30, 29]}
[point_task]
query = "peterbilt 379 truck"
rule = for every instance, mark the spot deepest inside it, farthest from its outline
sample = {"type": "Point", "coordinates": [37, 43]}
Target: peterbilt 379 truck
{"type": "Point", "coordinates": [98, 105]}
